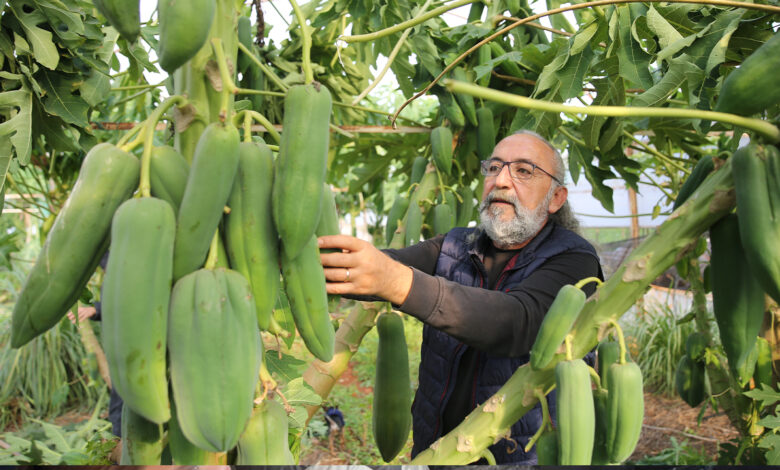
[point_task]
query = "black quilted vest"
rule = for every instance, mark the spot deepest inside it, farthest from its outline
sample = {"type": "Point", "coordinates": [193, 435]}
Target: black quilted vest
{"type": "Point", "coordinates": [460, 260]}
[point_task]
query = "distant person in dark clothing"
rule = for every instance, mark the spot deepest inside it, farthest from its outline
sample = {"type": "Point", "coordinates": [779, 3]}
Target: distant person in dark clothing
{"type": "Point", "coordinates": [114, 401]}
{"type": "Point", "coordinates": [481, 292]}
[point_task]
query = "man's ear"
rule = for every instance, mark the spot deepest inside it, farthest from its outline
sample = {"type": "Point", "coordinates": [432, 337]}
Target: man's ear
{"type": "Point", "coordinates": [558, 199]}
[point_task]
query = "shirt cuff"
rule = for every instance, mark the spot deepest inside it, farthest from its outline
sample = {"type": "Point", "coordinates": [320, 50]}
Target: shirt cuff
{"type": "Point", "coordinates": [423, 295]}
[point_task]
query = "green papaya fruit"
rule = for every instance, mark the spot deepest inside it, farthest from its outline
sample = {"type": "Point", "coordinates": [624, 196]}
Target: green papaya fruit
{"type": "Point", "coordinates": [304, 283]}
{"type": "Point", "coordinates": [556, 325]}
{"type": "Point", "coordinates": [184, 29]}
{"type": "Point", "coordinates": [209, 185]}
{"type": "Point", "coordinates": [392, 418]}
{"type": "Point", "coordinates": [76, 243]}
{"type": "Point", "coordinates": [214, 356]}
{"type": "Point", "coordinates": [625, 410]}
{"type": "Point", "coordinates": [301, 164]}
{"type": "Point", "coordinates": [757, 185]}
{"type": "Point", "coordinates": [751, 88]}
{"type": "Point", "coordinates": [265, 441]}
{"type": "Point", "coordinates": [737, 297]}
{"type": "Point", "coordinates": [123, 15]}
{"type": "Point", "coordinates": [441, 148]}
{"type": "Point", "coordinates": [700, 171]}
{"type": "Point", "coordinates": [168, 175]}
{"type": "Point", "coordinates": [251, 240]}
{"type": "Point", "coordinates": [142, 440]}
{"type": "Point", "coordinates": [136, 293]}
{"type": "Point", "coordinates": [689, 381]}
{"type": "Point", "coordinates": [575, 412]}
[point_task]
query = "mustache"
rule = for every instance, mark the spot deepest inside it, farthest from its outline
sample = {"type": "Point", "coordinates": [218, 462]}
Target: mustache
{"type": "Point", "coordinates": [501, 197]}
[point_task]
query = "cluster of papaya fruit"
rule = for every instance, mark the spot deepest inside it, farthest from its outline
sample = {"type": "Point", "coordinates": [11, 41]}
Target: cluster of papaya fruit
{"type": "Point", "coordinates": [744, 268]}
{"type": "Point", "coordinates": [594, 425]}
{"type": "Point", "coordinates": [194, 269]}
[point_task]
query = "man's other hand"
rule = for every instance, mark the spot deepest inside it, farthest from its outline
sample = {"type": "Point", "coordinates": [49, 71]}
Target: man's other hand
{"type": "Point", "coordinates": [361, 269]}
{"type": "Point", "coordinates": [84, 313]}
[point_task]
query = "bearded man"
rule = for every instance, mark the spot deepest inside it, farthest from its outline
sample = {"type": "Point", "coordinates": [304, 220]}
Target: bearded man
{"type": "Point", "coordinates": [481, 292]}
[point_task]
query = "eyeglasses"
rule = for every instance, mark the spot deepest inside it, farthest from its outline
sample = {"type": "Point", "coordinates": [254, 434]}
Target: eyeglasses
{"type": "Point", "coordinates": [519, 170]}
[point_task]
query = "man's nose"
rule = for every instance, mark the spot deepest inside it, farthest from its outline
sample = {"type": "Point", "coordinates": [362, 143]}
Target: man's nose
{"type": "Point", "coordinates": [504, 177]}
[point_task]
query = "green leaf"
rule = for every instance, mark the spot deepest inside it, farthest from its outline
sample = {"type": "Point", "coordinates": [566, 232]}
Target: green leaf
{"type": "Point", "coordinates": [367, 171]}
{"type": "Point", "coordinates": [673, 79]}
{"type": "Point", "coordinates": [572, 74]}
{"type": "Point", "coordinates": [600, 191]}
{"type": "Point", "coordinates": [16, 107]}
{"type": "Point", "coordinates": [582, 38]}
{"type": "Point", "coordinates": [771, 442]}
{"type": "Point", "coordinates": [667, 34]}
{"type": "Point", "coordinates": [770, 422]}
{"type": "Point", "coordinates": [61, 101]}
{"type": "Point", "coordinates": [766, 395]}
{"type": "Point", "coordinates": [65, 23]}
{"type": "Point", "coordinates": [634, 61]}
{"type": "Point", "coordinates": [285, 367]}
{"type": "Point", "coordinates": [45, 52]}
{"type": "Point", "coordinates": [427, 53]}
{"type": "Point", "coordinates": [299, 394]}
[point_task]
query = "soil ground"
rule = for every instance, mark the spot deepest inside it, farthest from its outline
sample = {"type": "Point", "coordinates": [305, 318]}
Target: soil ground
{"type": "Point", "coordinates": [664, 418]}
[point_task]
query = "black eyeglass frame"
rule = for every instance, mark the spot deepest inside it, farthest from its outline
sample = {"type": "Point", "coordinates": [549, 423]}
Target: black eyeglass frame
{"type": "Point", "coordinates": [484, 163]}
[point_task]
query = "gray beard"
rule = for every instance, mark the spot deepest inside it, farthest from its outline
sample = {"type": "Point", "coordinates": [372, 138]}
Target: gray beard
{"type": "Point", "coordinates": [519, 229]}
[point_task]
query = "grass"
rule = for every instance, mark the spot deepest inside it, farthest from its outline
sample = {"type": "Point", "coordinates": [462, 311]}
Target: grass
{"type": "Point", "coordinates": [656, 341]}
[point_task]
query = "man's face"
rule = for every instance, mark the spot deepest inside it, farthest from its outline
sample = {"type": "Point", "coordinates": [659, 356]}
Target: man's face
{"type": "Point", "coordinates": [513, 211]}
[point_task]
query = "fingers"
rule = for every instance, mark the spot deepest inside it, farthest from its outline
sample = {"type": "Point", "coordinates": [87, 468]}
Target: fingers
{"type": "Point", "coordinates": [339, 260]}
{"type": "Point", "coordinates": [340, 274]}
{"type": "Point", "coordinates": [344, 242]}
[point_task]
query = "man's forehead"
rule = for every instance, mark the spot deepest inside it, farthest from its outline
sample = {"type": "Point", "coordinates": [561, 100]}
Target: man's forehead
{"type": "Point", "coordinates": [523, 147]}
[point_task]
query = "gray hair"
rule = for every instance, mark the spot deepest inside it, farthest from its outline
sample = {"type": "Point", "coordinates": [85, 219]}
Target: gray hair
{"type": "Point", "coordinates": [560, 169]}
{"type": "Point", "coordinates": [564, 216]}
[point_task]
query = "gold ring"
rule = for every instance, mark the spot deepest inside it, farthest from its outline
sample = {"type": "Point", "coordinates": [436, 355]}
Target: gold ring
{"type": "Point", "coordinates": [347, 279]}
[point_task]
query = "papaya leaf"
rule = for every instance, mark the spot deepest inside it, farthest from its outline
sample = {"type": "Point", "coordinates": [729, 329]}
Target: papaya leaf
{"type": "Point", "coordinates": [771, 442]}
{"type": "Point", "coordinates": [766, 395]}
{"type": "Point", "coordinates": [582, 38]}
{"type": "Point", "coordinates": [45, 52]}
{"type": "Point", "coordinates": [284, 366]}
{"type": "Point", "coordinates": [667, 34]}
{"type": "Point", "coordinates": [60, 100]}
{"type": "Point", "coordinates": [634, 61]}
{"type": "Point", "coordinates": [600, 191]}
{"type": "Point", "coordinates": [16, 107]}
{"type": "Point", "coordinates": [572, 74]}
{"type": "Point", "coordinates": [672, 80]}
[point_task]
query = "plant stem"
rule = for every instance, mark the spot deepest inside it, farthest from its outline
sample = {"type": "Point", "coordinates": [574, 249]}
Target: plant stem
{"type": "Point", "coordinates": [147, 134]}
{"type": "Point", "coordinates": [655, 152]}
{"type": "Point", "coordinates": [390, 59]}
{"type": "Point", "coordinates": [596, 3]}
{"type": "Point", "coordinates": [211, 259]}
{"type": "Point", "coordinates": [247, 91]}
{"type": "Point", "coordinates": [766, 129]}
{"type": "Point", "coordinates": [137, 87]}
{"type": "Point", "coordinates": [322, 376]}
{"type": "Point", "coordinates": [267, 124]}
{"type": "Point", "coordinates": [595, 377]}
{"type": "Point", "coordinates": [567, 343]}
{"type": "Point", "coordinates": [227, 82]}
{"type": "Point", "coordinates": [263, 68]}
{"type": "Point", "coordinates": [588, 280]}
{"type": "Point", "coordinates": [306, 30]}
{"type": "Point", "coordinates": [621, 340]}
{"type": "Point", "coordinates": [406, 24]}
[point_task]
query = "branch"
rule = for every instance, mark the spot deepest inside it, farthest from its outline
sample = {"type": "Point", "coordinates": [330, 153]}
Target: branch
{"type": "Point", "coordinates": [406, 24]}
{"type": "Point", "coordinates": [766, 129]}
{"type": "Point", "coordinates": [729, 3]}
{"type": "Point", "coordinates": [306, 30]}
{"type": "Point", "coordinates": [323, 375]}
{"type": "Point", "coordinates": [679, 233]}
